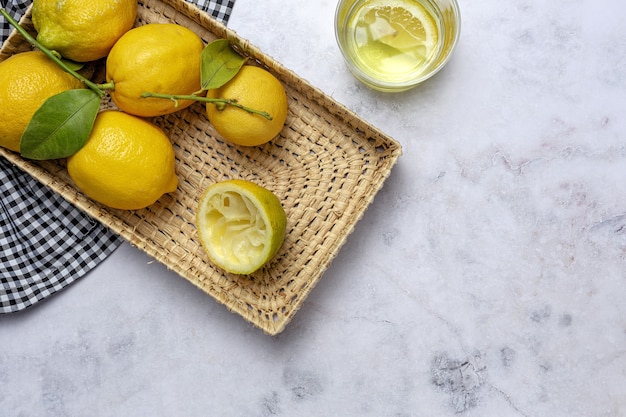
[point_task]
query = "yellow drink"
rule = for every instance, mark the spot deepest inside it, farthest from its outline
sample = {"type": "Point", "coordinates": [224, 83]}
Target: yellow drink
{"type": "Point", "coordinates": [389, 44]}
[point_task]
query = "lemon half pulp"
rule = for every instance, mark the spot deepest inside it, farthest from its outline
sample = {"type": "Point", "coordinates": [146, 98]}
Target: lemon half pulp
{"type": "Point", "coordinates": [241, 225]}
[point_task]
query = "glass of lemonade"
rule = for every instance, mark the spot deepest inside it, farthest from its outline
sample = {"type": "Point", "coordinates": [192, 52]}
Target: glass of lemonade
{"type": "Point", "coordinates": [393, 45]}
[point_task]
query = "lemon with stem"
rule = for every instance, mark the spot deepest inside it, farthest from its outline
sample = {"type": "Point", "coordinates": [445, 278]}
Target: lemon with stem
{"type": "Point", "coordinates": [162, 58]}
{"type": "Point", "coordinates": [82, 30]}
{"type": "Point", "coordinates": [28, 79]}
{"type": "Point", "coordinates": [253, 87]}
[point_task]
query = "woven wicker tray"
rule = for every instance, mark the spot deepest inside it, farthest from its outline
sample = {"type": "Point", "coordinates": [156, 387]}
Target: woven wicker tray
{"type": "Point", "coordinates": [325, 166]}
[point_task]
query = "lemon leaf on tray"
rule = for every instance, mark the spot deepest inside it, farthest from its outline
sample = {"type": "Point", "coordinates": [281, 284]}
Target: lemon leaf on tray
{"type": "Point", "coordinates": [220, 63]}
{"type": "Point", "coordinates": [61, 126]}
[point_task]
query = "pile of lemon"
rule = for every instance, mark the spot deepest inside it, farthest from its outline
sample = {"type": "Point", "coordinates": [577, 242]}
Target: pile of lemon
{"type": "Point", "coordinates": [128, 162]}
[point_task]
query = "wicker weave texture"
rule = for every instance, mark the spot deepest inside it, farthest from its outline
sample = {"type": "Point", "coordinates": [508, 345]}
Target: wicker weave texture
{"type": "Point", "coordinates": [325, 166]}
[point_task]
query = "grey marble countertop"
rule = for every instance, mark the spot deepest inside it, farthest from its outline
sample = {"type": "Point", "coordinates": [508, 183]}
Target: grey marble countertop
{"type": "Point", "coordinates": [487, 278]}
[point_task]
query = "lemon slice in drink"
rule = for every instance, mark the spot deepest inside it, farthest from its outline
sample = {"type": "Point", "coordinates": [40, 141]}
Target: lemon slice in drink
{"type": "Point", "coordinates": [396, 37]}
{"type": "Point", "coordinates": [404, 26]}
{"type": "Point", "coordinates": [241, 225]}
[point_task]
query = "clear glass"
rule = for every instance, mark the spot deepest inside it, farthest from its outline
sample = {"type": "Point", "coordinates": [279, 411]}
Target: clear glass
{"type": "Point", "coordinates": [383, 53]}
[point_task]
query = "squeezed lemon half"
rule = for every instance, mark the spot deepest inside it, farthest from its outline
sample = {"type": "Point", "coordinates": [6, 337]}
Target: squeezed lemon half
{"type": "Point", "coordinates": [241, 225]}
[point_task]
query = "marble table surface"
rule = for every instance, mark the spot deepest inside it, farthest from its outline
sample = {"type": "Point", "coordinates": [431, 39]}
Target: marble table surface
{"type": "Point", "coordinates": [488, 277]}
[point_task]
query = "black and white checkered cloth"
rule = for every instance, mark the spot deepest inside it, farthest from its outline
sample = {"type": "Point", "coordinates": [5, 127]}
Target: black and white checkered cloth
{"type": "Point", "coordinates": [219, 9]}
{"type": "Point", "coordinates": [45, 242]}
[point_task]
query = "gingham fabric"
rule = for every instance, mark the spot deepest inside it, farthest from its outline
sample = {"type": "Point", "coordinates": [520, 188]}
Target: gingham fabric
{"type": "Point", "coordinates": [15, 8]}
{"type": "Point", "coordinates": [220, 10]}
{"type": "Point", "coordinates": [45, 242]}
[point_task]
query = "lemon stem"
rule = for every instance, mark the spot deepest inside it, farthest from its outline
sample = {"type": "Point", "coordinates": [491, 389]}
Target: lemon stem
{"type": "Point", "coordinates": [220, 102]}
{"type": "Point", "coordinates": [53, 55]}
{"type": "Point", "coordinates": [107, 86]}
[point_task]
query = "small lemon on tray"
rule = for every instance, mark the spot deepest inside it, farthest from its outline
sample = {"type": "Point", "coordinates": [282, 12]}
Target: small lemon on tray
{"type": "Point", "coordinates": [241, 225]}
{"type": "Point", "coordinates": [255, 88]}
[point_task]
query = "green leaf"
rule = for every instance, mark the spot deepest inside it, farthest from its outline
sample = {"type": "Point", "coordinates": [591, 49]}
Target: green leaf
{"type": "Point", "coordinates": [220, 63]}
{"type": "Point", "coordinates": [73, 65]}
{"type": "Point", "coordinates": [61, 126]}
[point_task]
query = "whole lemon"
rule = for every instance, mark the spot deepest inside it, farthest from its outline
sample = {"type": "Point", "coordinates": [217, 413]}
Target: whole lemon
{"type": "Point", "coordinates": [82, 30]}
{"type": "Point", "coordinates": [28, 79]}
{"type": "Point", "coordinates": [127, 162]}
{"type": "Point", "coordinates": [159, 58]}
{"type": "Point", "coordinates": [257, 89]}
